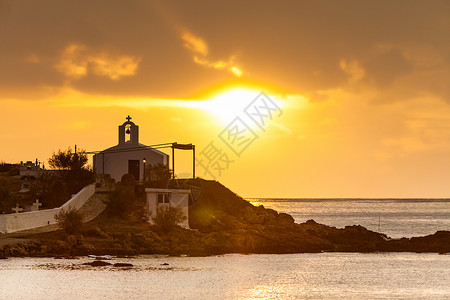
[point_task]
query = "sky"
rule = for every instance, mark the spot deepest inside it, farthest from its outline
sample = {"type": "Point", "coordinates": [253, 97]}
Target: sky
{"type": "Point", "coordinates": [355, 103]}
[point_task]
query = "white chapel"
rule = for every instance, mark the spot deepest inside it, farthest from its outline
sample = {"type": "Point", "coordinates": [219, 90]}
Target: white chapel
{"type": "Point", "coordinates": [129, 156]}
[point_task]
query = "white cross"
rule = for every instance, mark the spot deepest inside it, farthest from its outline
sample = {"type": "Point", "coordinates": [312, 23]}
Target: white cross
{"type": "Point", "coordinates": [17, 208]}
{"type": "Point", "coordinates": [37, 204]}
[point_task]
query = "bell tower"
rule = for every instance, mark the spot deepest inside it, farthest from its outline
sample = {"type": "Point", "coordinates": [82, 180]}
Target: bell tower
{"type": "Point", "coordinates": [128, 133]}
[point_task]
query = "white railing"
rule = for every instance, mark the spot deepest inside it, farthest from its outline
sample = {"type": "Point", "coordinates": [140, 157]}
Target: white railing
{"type": "Point", "coordinates": [34, 219]}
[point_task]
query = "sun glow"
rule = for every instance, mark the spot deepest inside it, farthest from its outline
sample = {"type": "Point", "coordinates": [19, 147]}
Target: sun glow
{"type": "Point", "coordinates": [230, 104]}
{"type": "Point", "coordinates": [224, 105]}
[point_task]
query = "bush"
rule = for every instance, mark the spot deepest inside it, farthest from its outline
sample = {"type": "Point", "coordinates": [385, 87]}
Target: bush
{"type": "Point", "coordinates": [49, 189]}
{"type": "Point", "coordinates": [70, 220]}
{"type": "Point", "coordinates": [157, 175]}
{"type": "Point", "coordinates": [73, 169]}
{"type": "Point", "coordinates": [167, 217]}
{"type": "Point", "coordinates": [120, 202]}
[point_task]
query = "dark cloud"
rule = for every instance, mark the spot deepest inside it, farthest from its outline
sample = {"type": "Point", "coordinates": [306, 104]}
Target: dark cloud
{"type": "Point", "coordinates": [297, 46]}
{"type": "Point", "coordinates": [384, 68]}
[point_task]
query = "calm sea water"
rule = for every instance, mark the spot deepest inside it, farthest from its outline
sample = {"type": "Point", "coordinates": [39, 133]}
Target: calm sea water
{"type": "Point", "coordinates": [293, 276]}
{"type": "Point", "coordinates": [395, 217]}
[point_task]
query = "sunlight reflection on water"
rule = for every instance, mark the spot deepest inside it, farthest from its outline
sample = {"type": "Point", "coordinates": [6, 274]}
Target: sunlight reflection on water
{"type": "Point", "coordinates": [313, 276]}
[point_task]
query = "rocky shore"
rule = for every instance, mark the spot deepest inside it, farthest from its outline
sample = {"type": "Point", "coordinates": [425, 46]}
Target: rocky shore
{"type": "Point", "coordinates": [223, 223]}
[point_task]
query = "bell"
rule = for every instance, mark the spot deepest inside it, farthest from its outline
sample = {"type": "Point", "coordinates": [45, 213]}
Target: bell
{"type": "Point", "coordinates": [128, 131]}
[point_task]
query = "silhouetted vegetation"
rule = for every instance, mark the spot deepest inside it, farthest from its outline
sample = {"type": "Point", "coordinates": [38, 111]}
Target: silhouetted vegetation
{"type": "Point", "coordinates": [50, 189]}
{"type": "Point", "coordinates": [73, 169]}
{"type": "Point", "coordinates": [71, 174]}
{"type": "Point", "coordinates": [121, 201]}
{"type": "Point", "coordinates": [128, 180]}
{"type": "Point", "coordinates": [157, 175]}
{"type": "Point", "coordinates": [9, 169]}
{"type": "Point", "coordinates": [167, 217]}
{"type": "Point", "coordinates": [68, 160]}
{"type": "Point", "coordinates": [70, 220]}
{"type": "Point", "coordinates": [5, 197]}
{"type": "Point", "coordinates": [8, 193]}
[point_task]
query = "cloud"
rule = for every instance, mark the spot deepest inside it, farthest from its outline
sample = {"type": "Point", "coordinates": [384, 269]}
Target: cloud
{"type": "Point", "coordinates": [353, 70]}
{"type": "Point", "coordinates": [297, 47]}
{"type": "Point", "coordinates": [200, 53]}
{"type": "Point", "coordinates": [77, 61]}
{"type": "Point", "coordinates": [194, 43]}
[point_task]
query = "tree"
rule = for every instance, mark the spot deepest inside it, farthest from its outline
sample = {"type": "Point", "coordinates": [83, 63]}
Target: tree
{"type": "Point", "coordinates": [70, 220]}
{"type": "Point", "coordinates": [73, 169]}
{"type": "Point", "coordinates": [9, 169]}
{"type": "Point", "coordinates": [158, 175]}
{"type": "Point", "coordinates": [167, 217]}
{"type": "Point", "coordinates": [8, 198]}
{"type": "Point", "coordinates": [68, 160]}
{"type": "Point", "coordinates": [4, 197]}
{"type": "Point", "coordinates": [50, 189]}
{"type": "Point", "coordinates": [73, 174]}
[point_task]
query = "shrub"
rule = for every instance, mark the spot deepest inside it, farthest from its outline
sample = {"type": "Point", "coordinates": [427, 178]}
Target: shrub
{"type": "Point", "coordinates": [167, 217]}
{"type": "Point", "coordinates": [70, 220]}
{"type": "Point", "coordinates": [73, 169]}
{"type": "Point", "coordinates": [157, 175]}
{"type": "Point", "coordinates": [120, 202]}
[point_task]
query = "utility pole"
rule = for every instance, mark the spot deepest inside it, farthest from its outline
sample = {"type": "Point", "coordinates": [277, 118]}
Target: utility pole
{"type": "Point", "coordinates": [173, 161]}
{"type": "Point", "coordinates": [193, 161]}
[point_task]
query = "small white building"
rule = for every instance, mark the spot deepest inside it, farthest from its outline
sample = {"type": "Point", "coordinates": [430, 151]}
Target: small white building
{"type": "Point", "coordinates": [30, 169]}
{"type": "Point", "coordinates": [128, 156]}
{"type": "Point", "coordinates": [168, 197]}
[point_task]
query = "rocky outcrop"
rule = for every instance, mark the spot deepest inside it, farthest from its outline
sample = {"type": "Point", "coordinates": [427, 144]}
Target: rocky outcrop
{"type": "Point", "coordinates": [224, 223]}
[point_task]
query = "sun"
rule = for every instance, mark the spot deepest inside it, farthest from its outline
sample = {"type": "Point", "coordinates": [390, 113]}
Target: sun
{"type": "Point", "coordinates": [229, 104]}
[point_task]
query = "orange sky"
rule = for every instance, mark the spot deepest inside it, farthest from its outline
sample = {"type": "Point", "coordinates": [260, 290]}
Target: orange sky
{"type": "Point", "coordinates": [362, 86]}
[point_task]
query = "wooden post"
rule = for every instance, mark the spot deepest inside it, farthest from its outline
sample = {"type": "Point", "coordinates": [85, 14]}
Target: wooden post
{"type": "Point", "coordinates": [173, 162]}
{"type": "Point", "coordinates": [193, 161]}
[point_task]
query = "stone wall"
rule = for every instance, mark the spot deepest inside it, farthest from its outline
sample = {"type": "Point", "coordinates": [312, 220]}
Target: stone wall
{"type": "Point", "coordinates": [34, 219]}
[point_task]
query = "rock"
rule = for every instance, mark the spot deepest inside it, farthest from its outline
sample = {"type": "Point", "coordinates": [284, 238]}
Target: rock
{"type": "Point", "coordinates": [164, 264]}
{"type": "Point", "coordinates": [284, 218]}
{"type": "Point", "coordinates": [123, 265]}
{"type": "Point", "coordinates": [98, 263]}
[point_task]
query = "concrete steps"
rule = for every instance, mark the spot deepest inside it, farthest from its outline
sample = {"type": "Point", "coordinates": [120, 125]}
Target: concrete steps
{"type": "Point", "coordinates": [93, 207]}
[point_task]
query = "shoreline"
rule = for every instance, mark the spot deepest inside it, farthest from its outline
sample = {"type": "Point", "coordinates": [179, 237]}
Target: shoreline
{"type": "Point", "coordinates": [224, 223]}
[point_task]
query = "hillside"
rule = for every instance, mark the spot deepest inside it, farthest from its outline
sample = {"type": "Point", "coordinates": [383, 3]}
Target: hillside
{"type": "Point", "coordinates": [224, 223]}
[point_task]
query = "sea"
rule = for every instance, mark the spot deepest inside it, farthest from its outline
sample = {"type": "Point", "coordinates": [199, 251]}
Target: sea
{"type": "Point", "coordinates": [261, 276]}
